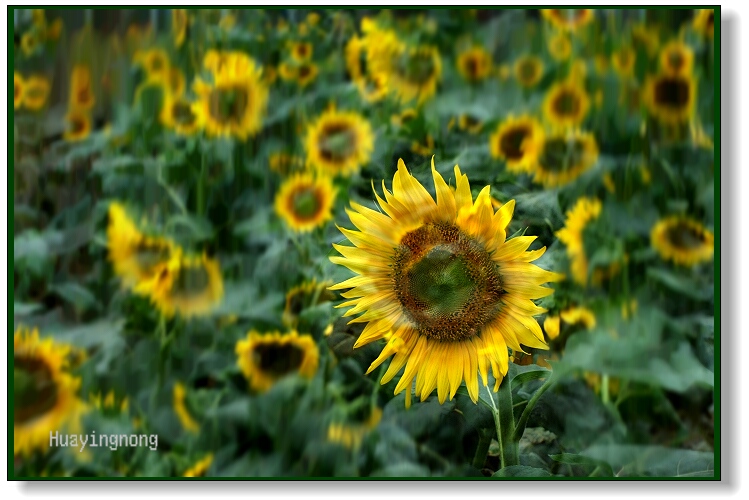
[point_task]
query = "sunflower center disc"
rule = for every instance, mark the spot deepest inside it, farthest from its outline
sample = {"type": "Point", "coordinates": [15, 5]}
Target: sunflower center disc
{"type": "Point", "coordinates": [148, 256]}
{"type": "Point", "coordinates": [278, 359]}
{"type": "Point", "coordinates": [305, 203]}
{"type": "Point", "coordinates": [182, 113]}
{"type": "Point", "coordinates": [672, 92]}
{"type": "Point", "coordinates": [228, 104]}
{"type": "Point", "coordinates": [511, 143]}
{"type": "Point", "coordinates": [418, 68]}
{"type": "Point", "coordinates": [567, 104]}
{"type": "Point", "coordinates": [676, 61]}
{"type": "Point", "coordinates": [34, 391]}
{"type": "Point", "coordinates": [560, 154]}
{"type": "Point", "coordinates": [190, 280]}
{"type": "Point", "coordinates": [446, 282]}
{"type": "Point", "coordinates": [337, 143]}
{"type": "Point", "coordinates": [528, 71]}
{"type": "Point", "coordinates": [684, 236]}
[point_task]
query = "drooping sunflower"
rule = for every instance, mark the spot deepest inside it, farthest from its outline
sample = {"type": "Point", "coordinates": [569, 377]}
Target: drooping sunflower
{"type": "Point", "coordinates": [683, 240]}
{"type": "Point", "coordinates": [439, 281]}
{"type": "Point", "coordinates": [309, 293]}
{"type": "Point", "coordinates": [475, 64]}
{"type": "Point", "coordinates": [135, 255]}
{"type": "Point", "coordinates": [78, 125]}
{"type": "Point", "coordinates": [18, 89]}
{"type": "Point", "coordinates": [568, 19]}
{"type": "Point", "coordinates": [179, 26]}
{"type": "Point", "coordinates": [623, 61]}
{"type": "Point", "coordinates": [339, 142]}
{"type": "Point", "coordinates": [178, 114]}
{"type": "Point", "coordinates": [45, 396]}
{"type": "Point", "coordinates": [514, 142]}
{"type": "Point", "coordinates": [528, 71]}
{"type": "Point", "coordinates": [704, 22]}
{"type": "Point", "coordinates": [560, 46]}
{"type": "Point", "coordinates": [180, 409]}
{"type": "Point", "coordinates": [350, 435]}
{"type": "Point", "coordinates": [670, 98]}
{"type": "Point", "coordinates": [677, 58]}
{"type": "Point", "coordinates": [562, 156]}
{"type": "Point", "coordinates": [35, 93]}
{"type": "Point", "coordinates": [81, 90]}
{"type": "Point", "coordinates": [566, 104]}
{"type": "Point", "coordinates": [266, 358]}
{"type": "Point", "coordinates": [200, 468]}
{"type": "Point", "coordinates": [188, 285]}
{"type": "Point", "coordinates": [305, 201]}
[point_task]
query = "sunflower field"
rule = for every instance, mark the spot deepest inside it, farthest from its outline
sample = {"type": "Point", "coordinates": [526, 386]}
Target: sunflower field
{"type": "Point", "coordinates": [291, 243]}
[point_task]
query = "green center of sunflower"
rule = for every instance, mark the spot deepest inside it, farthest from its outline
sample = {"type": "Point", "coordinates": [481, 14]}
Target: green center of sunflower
{"type": "Point", "coordinates": [305, 203]}
{"type": "Point", "coordinates": [511, 142]}
{"type": "Point", "coordinates": [228, 104]}
{"type": "Point", "coordinates": [447, 283]}
{"type": "Point", "coordinates": [84, 95]}
{"type": "Point", "coordinates": [149, 254]}
{"type": "Point", "coordinates": [472, 67]}
{"type": "Point", "coordinates": [35, 92]}
{"type": "Point", "coordinates": [190, 280]}
{"type": "Point", "coordinates": [277, 359]}
{"type": "Point", "coordinates": [560, 154]}
{"type": "Point", "coordinates": [182, 113]}
{"type": "Point", "coordinates": [672, 92]}
{"type": "Point", "coordinates": [34, 391]}
{"type": "Point", "coordinates": [337, 142]}
{"type": "Point", "coordinates": [528, 70]}
{"type": "Point", "coordinates": [77, 125]}
{"type": "Point", "coordinates": [418, 67]}
{"type": "Point", "coordinates": [682, 235]}
{"type": "Point", "coordinates": [675, 60]}
{"type": "Point", "coordinates": [157, 64]}
{"type": "Point", "coordinates": [567, 104]}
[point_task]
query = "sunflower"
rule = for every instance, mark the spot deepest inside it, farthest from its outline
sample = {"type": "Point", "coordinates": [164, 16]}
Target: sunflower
{"type": "Point", "coordinates": [683, 240]}
{"type": "Point", "coordinates": [179, 26]}
{"type": "Point", "coordinates": [135, 256]}
{"type": "Point", "coordinates": [670, 98]}
{"type": "Point", "coordinates": [188, 285]}
{"type": "Point", "coordinates": [35, 92]}
{"type": "Point", "coordinates": [513, 141]}
{"type": "Point", "coordinates": [155, 62]}
{"type": "Point", "coordinates": [178, 114]}
{"type": "Point", "coordinates": [30, 42]}
{"type": "Point", "coordinates": [309, 293]}
{"type": "Point", "coordinates": [572, 317]}
{"type": "Point", "coordinates": [646, 37]}
{"type": "Point", "coordinates": [469, 123]}
{"type": "Point", "coordinates": [404, 117]}
{"type": "Point", "coordinates": [371, 87]}
{"type": "Point", "coordinates": [81, 92]}
{"type": "Point", "coordinates": [285, 163]}
{"type": "Point", "coordinates": [677, 58]}
{"type": "Point", "coordinates": [301, 51]}
{"type": "Point", "coordinates": [109, 404]}
{"type": "Point", "coordinates": [339, 142]}
{"type": "Point", "coordinates": [568, 19]}
{"type": "Point", "coordinates": [414, 73]}
{"type": "Point", "coordinates": [566, 104]}
{"type": "Point", "coordinates": [78, 126]}
{"type": "Point", "coordinates": [528, 71]}
{"type": "Point", "coordinates": [306, 73]}
{"type": "Point", "coordinates": [439, 281]}
{"type": "Point", "coordinates": [560, 46]}
{"type": "Point", "coordinates": [44, 392]}
{"type": "Point", "coordinates": [18, 89]}
{"type": "Point", "coordinates": [175, 83]}
{"type": "Point", "coordinates": [475, 64]}
{"type": "Point", "coordinates": [200, 468]}
{"type": "Point", "coordinates": [265, 359]}
{"type": "Point", "coordinates": [623, 61]}
{"type": "Point", "coordinates": [704, 22]}
{"type": "Point", "coordinates": [234, 105]}
{"type": "Point", "coordinates": [188, 423]}
{"type": "Point", "coordinates": [304, 201]}
{"type": "Point", "coordinates": [350, 436]}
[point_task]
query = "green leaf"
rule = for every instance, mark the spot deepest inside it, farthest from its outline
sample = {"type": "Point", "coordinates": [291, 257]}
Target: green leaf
{"type": "Point", "coordinates": [645, 460]}
{"type": "Point", "coordinates": [403, 469]}
{"type": "Point", "coordinates": [76, 295]}
{"type": "Point", "coordinates": [683, 285]}
{"type": "Point", "coordinates": [521, 471]}
{"type": "Point", "coordinates": [520, 374]}
{"type": "Point", "coordinates": [573, 459]}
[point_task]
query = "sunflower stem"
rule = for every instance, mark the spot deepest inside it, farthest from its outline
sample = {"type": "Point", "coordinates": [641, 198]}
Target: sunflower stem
{"type": "Point", "coordinates": [523, 420]}
{"type": "Point", "coordinates": [485, 440]}
{"type": "Point", "coordinates": [504, 422]}
{"type": "Point", "coordinates": [201, 186]}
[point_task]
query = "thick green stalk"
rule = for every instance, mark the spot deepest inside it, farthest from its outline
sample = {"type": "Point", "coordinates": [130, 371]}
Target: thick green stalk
{"type": "Point", "coordinates": [504, 421]}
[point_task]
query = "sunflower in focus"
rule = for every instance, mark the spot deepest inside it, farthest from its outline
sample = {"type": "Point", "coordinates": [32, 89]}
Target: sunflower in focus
{"type": "Point", "coordinates": [35, 92]}
{"type": "Point", "coordinates": [81, 92]}
{"type": "Point", "coordinates": [18, 89]}
{"type": "Point", "coordinates": [180, 408]}
{"type": "Point", "coordinates": [514, 142]}
{"type": "Point", "coordinates": [560, 46]}
{"type": "Point", "coordinates": [676, 59]}
{"type": "Point", "coordinates": [305, 201]}
{"type": "Point", "coordinates": [566, 104]}
{"type": "Point", "coordinates": [200, 468]}
{"type": "Point", "coordinates": [45, 396]}
{"type": "Point", "coordinates": [568, 19]}
{"type": "Point", "coordinates": [623, 61]}
{"type": "Point", "coordinates": [475, 64]}
{"type": "Point", "coordinates": [438, 281]}
{"type": "Point", "coordinates": [670, 98]}
{"type": "Point", "coordinates": [562, 156]}
{"type": "Point", "coordinates": [78, 126]}
{"type": "Point", "coordinates": [188, 285]}
{"type": "Point", "coordinates": [528, 71]}
{"type": "Point", "coordinates": [178, 114]}
{"type": "Point", "coordinates": [339, 142]}
{"type": "Point", "coordinates": [351, 435]}
{"type": "Point", "coordinates": [135, 255]}
{"type": "Point", "coordinates": [704, 22]}
{"type": "Point", "coordinates": [266, 358]}
{"type": "Point", "coordinates": [179, 26]}
{"type": "Point", "coordinates": [235, 103]}
{"type": "Point", "coordinates": [683, 240]}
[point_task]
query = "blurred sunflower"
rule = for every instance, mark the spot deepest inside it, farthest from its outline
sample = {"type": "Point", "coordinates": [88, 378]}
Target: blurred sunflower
{"type": "Point", "coordinates": [180, 408]}
{"type": "Point", "coordinates": [135, 256]}
{"type": "Point", "coordinates": [404, 117]}
{"type": "Point", "coordinates": [560, 46]}
{"type": "Point", "coordinates": [175, 83]}
{"type": "Point", "coordinates": [78, 126]}
{"type": "Point", "coordinates": [646, 37]}
{"type": "Point", "coordinates": [670, 98]}
{"type": "Point", "coordinates": [200, 468]}
{"type": "Point", "coordinates": [265, 359]}
{"type": "Point", "coordinates": [305, 201]}
{"type": "Point", "coordinates": [562, 155]}
{"type": "Point", "coordinates": [572, 316]}
{"type": "Point", "coordinates": [469, 123]}
{"type": "Point", "coordinates": [514, 142]}
{"type": "Point", "coordinates": [235, 103]}
{"type": "Point", "coordinates": [439, 281]}
{"type": "Point", "coordinates": [339, 142]}
{"type": "Point", "coordinates": [704, 22]}
{"type": "Point", "coordinates": [623, 61]}
{"type": "Point", "coordinates": [474, 64]}
{"type": "Point", "coordinates": [350, 435]}
{"type": "Point", "coordinates": [18, 89]}
{"type": "Point", "coordinates": [285, 163]}
{"type": "Point", "coordinates": [566, 104]}
{"type": "Point", "coordinates": [81, 91]}
{"type": "Point", "coordinates": [683, 240]}
{"type": "Point", "coordinates": [677, 58]}
{"type": "Point", "coordinates": [109, 404]}
{"type": "Point", "coordinates": [155, 62]}
{"type": "Point", "coordinates": [309, 293]}
{"type": "Point", "coordinates": [179, 26]}
{"type": "Point", "coordinates": [35, 92]}
{"type": "Point", "coordinates": [301, 51]}
{"type": "Point", "coordinates": [188, 285]}
{"type": "Point", "coordinates": [178, 114]}
{"type": "Point", "coordinates": [568, 19]}
{"type": "Point", "coordinates": [528, 71]}
{"type": "Point", "coordinates": [30, 42]}
{"type": "Point", "coordinates": [44, 393]}
{"type": "Point", "coordinates": [413, 73]}
{"type": "Point", "coordinates": [306, 73]}
{"type": "Point", "coordinates": [371, 87]}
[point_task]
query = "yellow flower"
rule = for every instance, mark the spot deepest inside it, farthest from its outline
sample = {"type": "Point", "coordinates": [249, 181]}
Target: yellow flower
{"type": "Point", "coordinates": [568, 19]}
{"type": "Point", "coordinates": [18, 89]}
{"type": "Point", "coordinates": [560, 46]}
{"type": "Point", "coordinates": [676, 58]}
{"type": "Point", "coordinates": [285, 163]}
{"type": "Point", "coordinates": [579, 315]}
{"type": "Point", "coordinates": [470, 123]}
{"type": "Point", "coordinates": [528, 71]}
{"type": "Point", "coordinates": [178, 114]}
{"type": "Point", "coordinates": [110, 403]}
{"type": "Point", "coordinates": [36, 91]}
{"type": "Point", "coordinates": [29, 43]}
{"type": "Point", "coordinates": [155, 62]}
{"type": "Point", "coordinates": [179, 26]}
{"type": "Point", "coordinates": [265, 359]}
{"type": "Point", "coordinates": [175, 83]}
{"type": "Point", "coordinates": [404, 117]}
{"type": "Point", "coordinates": [562, 156]}
{"type": "Point", "coordinates": [438, 281]}
{"type": "Point", "coordinates": [514, 142]}
{"type": "Point", "coordinates": [551, 327]}
{"type": "Point", "coordinates": [704, 22]}
{"type": "Point", "coordinates": [425, 149]}
{"type": "Point", "coordinates": [44, 392]}
{"type": "Point", "coordinates": [566, 104]}
{"type": "Point", "coordinates": [81, 91]}
{"type": "Point", "coordinates": [623, 61]}
{"type": "Point", "coordinates": [683, 240]}
{"type": "Point", "coordinates": [503, 72]}
{"type": "Point", "coordinates": [412, 73]}
{"type": "Point", "coordinates": [188, 285]}
{"type": "Point", "coordinates": [339, 142]}
{"type": "Point", "coordinates": [301, 51]}
{"type": "Point", "coordinates": [235, 103]}
{"type": "Point", "coordinates": [304, 201]}
{"type": "Point", "coordinates": [670, 98]}
{"type": "Point", "coordinates": [200, 468]}
{"type": "Point", "coordinates": [645, 37]}
{"type": "Point", "coordinates": [309, 293]}
{"type": "Point", "coordinates": [306, 73]}
{"type": "Point", "coordinates": [350, 436]}
{"type": "Point", "coordinates": [313, 18]}
{"type": "Point", "coordinates": [475, 64]}
{"type": "Point", "coordinates": [371, 87]}
{"type": "Point", "coordinates": [188, 423]}
{"type": "Point", "coordinates": [78, 126]}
